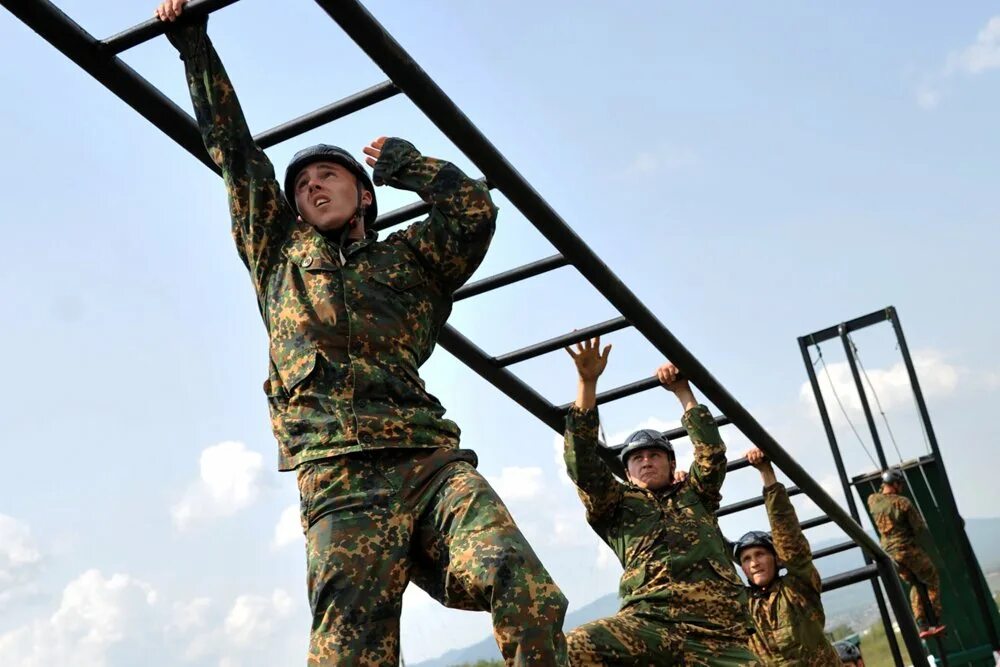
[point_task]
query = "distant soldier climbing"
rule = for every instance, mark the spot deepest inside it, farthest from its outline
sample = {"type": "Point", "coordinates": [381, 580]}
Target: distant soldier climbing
{"type": "Point", "coordinates": [386, 493]}
{"type": "Point", "coordinates": [905, 538]}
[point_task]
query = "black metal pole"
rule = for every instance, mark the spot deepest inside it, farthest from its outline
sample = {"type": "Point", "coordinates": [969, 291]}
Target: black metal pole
{"type": "Point", "coordinates": [510, 276]}
{"type": "Point", "coordinates": [845, 484]}
{"type": "Point", "coordinates": [848, 578]}
{"type": "Point", "coordinates": [982, 596]}
{"type": "Point", "coordinates": [154, 27]}
{"type": "Point", "coordinates": [560, 342]}
{"type": "Point", "coordinates": [387, 53]}
{"type": "Point", "coordinates": [849, 349]}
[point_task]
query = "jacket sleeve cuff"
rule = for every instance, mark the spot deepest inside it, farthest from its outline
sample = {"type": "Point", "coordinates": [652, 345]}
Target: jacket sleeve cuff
{"type": "Point", "coordinates": [396, 154]}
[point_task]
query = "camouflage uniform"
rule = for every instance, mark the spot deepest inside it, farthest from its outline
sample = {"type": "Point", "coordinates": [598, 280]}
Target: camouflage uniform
{"type": "Point", "coordinates": [788, 613]}
{"type": "Point", "coordinates": [681, 599]}
{"type": "Point", "coordinates": [905, 538]}
{"type": "Point", "coordinates": [386, 494]}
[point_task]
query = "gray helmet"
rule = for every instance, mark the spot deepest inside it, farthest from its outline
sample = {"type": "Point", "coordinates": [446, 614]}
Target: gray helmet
{"type": "Point", "coordinates": [755, 538]}
{"type": "Point", "coordinates": [337, 155]}
{"type": "Point", "coordinates": [847, 651]}
{"type": "Point", "coordinates": [892, 476]}
{"type": "Point", "coordinates": [645, 438]}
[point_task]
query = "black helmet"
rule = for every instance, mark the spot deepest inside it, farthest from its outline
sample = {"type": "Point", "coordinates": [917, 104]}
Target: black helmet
{"type": "Point", "coordinates": [755, 538]}
{"type": "Point", "coordinates": [892, 476]}
{"type": "Point", "coordinates": [645, 438]}
{"type": "Point", "coordinates": [335, 154]}
{"type": "Point", "coordinates": [847, 651]}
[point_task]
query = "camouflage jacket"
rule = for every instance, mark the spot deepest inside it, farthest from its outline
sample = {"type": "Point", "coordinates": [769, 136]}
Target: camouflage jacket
{"type": "Point", "coordinates": [788, 614]}
{"type": "Point", "coordinates": [675, 560]}
{"type": "Point", "coordinates": [898, 522]}
{"type": "Point", "coordinates": [348, 326]}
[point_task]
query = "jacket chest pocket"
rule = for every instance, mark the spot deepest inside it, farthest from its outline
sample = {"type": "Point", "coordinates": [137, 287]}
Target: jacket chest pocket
{"type": "Point", "coordinates": [398, 307]}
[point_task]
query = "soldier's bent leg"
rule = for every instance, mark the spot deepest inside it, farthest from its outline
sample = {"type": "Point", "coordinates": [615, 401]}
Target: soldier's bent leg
{"type": "Point", "coordinates": [920, 568]}
{"type": "Point", "coordinates": [472, 556]}
{"type": "Point", "coordinates": [357, 543]}
{"type": "Point", "coordinates": [626, 639]}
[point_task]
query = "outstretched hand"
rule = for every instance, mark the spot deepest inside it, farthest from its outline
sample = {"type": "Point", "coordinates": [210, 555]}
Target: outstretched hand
{"type": "Point", "coordinates": [590, 361]}
{"type": "Point", "coordinates": [170, 10]}
{"type": "Point", "coordinates": [374, 151]}
{"type": "Point", "coordinates": [759, 460]}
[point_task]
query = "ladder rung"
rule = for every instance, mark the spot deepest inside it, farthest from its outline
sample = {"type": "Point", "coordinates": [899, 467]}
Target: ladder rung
{"type": "Point", "coordinates": [752, 502]}
{"type": "Point", "coordinates": [850, 577]}
{"type": "Point", "coordinates": [815, 521]}
{"type": "Point", "coordinates": [834, 549]}
{"type": "Point", "coordinates": [512, 276]}
{"type": "Point", "coordinates": [154, 27]}
{"type": "Point", "coordinates": [331, 112]}
{"type": "Point", "coordinates": [560, 342]}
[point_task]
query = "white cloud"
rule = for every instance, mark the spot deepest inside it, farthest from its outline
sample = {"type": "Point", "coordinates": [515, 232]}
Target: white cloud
{"type": "Point", "coordinates": [231, 477]}
{"type": "Point", "coordinates": [252, 617]}
{"type": "Point", "coordinates": [605, 557]}
{"type": "Point", "coordinates": [665, 158]}
{"type": "Point", "coordinates": [19, 558]}
{"type": "Point", "coordinates": [289, 528]}
{"type": "Point", "coordinates": [95, 614]}
{"type": "Point", "coordinates": [188, 617]}
{"type": "Point", "coordinates": [981, 55]}
{"type": "Point", "coordinates": [892, 385]}
{"type": "Point", "coordinates": [518, 483]}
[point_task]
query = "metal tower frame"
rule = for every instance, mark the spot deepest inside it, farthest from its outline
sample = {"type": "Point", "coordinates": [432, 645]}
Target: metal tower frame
{"type": "Point", "coordinates": [100, 59]}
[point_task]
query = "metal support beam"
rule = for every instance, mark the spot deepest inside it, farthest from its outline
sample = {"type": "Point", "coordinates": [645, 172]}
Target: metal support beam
{"type": "Point", "coordinates": [560, 342]}
{"type": "Point", "coordinates": [804, 343]}
{"type": "Point", "coordinates": [331, 112]}
{"type": "Point", "coordinates": [829, 333]}
{"type": "Point", "coordinates": [401, 214]}
{"type": "Point", "coordinates": [623, 391]}
{"type": "Point", "coordinates": [752, 502]}
{"type": "Point", "coordinates": [863, 395]}
{"type": "Point", "coordinates": [472, 356]}
{"type": "Point", "coordinates": [154, 27]}
{"type": "Point", "coordinates": [510, 277]}
{"type": "Point", "coordinates": [852, 577]}
{"type": "Point", "coordinates": [82, 48]}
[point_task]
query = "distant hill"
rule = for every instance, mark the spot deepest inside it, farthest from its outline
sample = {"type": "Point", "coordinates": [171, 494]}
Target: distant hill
{"type": "Point", "coordinates": [851, 604]}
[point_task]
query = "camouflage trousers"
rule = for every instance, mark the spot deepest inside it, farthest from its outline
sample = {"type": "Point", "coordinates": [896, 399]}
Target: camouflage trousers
{"type": "Point", "coordinates": [375, 520]}
{"type": "Point", "coordinates": [640, 638]}
{"type": "Point", "coordinates": [918, 571]}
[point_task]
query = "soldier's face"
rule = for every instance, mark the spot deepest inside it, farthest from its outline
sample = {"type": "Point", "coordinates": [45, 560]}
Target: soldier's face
{"type": "Point", "coordinates": [326, 195]}
{"type": "Point", "coordinates": [758, 565]}
{"type": "Point", "coordinates": [651, 469]}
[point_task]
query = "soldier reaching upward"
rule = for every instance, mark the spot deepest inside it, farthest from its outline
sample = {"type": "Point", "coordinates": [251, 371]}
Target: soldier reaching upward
{"type": "Point", "coordinates": [386, 494]}
{"type": "Point", "coordinates": [681, 599]}
{"type": "Point", "coordinates": [786, 609]}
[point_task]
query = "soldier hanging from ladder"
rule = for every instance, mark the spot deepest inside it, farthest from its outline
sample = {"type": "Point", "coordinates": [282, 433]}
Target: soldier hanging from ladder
{"type": "Point", "coordinates": [682, 600]}
{"type": "Point", "coordinates": [786, 609]}
{"type": "Point", "coordinates": [386, 492]}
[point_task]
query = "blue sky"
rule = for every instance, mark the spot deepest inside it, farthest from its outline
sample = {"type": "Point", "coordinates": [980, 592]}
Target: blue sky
{"type": "Point", "coordinates": [752, 173]}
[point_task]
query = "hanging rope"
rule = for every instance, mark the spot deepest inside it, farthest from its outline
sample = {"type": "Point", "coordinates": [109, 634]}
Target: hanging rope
{"type": "Point", "coordinates": [836, 396]}
{"type": "Point", "coordinates": [888, 428]}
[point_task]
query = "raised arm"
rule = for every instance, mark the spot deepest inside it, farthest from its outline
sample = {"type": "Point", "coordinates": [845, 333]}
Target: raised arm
{"type": "Point", "coordinates": [600, 492]}
{"type": "Point", "coordinates": [260, 215]}
{"type": "Point", "coordinates": [709, 468]}
{"type": "Point", "coordinates": [917, 525]}
{"type": "Point", "coordinates": [789, 541]}
{"type": "Point", "coordinates": [453, 239]}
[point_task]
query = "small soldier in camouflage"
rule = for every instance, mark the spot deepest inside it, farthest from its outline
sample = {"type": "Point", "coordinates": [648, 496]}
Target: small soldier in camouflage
{"type": "Point", "coordinates": [786, 609]}
{"type": "Point", "coordinates": [386, 494]}
{"type": "Point", "coordinates": [905, 538]}
{"type": "Point", "coordinates": [681, 599]}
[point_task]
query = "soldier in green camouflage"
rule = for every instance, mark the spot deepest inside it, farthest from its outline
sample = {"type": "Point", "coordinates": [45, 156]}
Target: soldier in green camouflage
{"type": "Point", "coordinates": [386, 494]}
{"type": "Point", "coordinates": [682, 601]}
{"type": "Point", "coordinates": [904, 536]}
{"type": "Point", "coordinates": [786, 609]}
{"type": "Point", "coordinates": [849, 654]}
